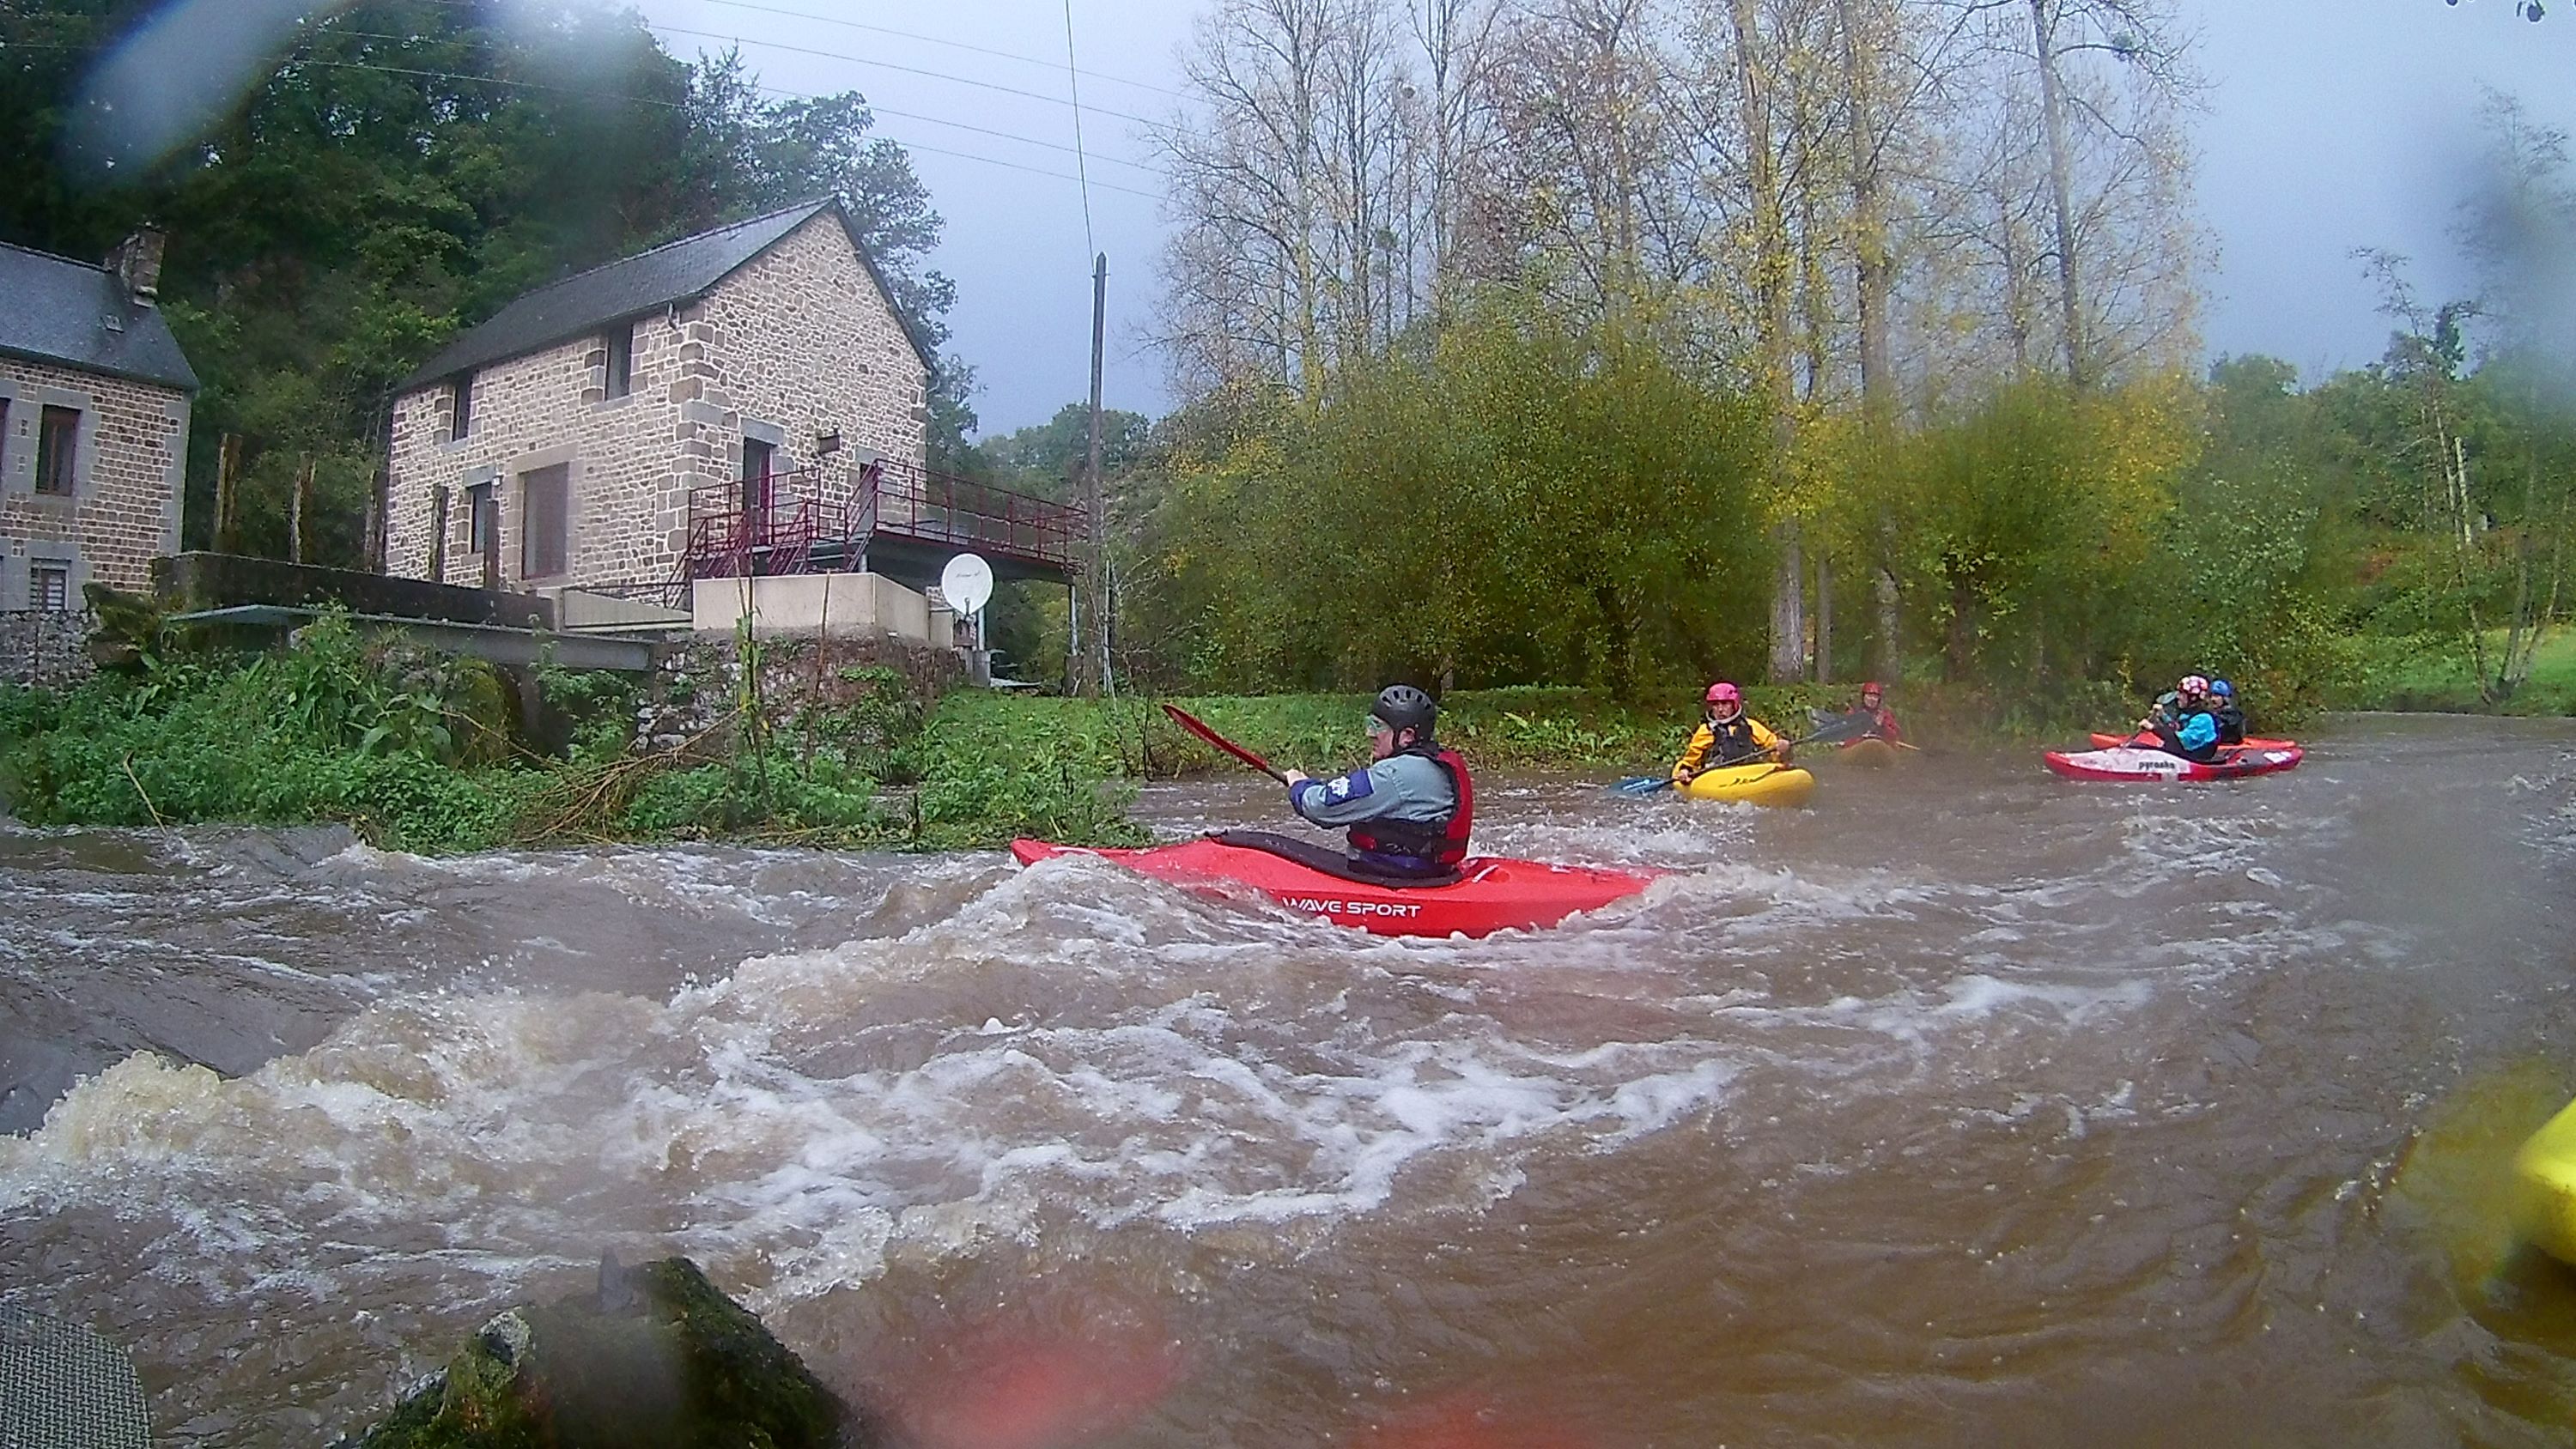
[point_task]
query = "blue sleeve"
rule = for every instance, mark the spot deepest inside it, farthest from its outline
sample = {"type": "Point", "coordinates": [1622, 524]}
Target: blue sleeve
{"type": "Point", "coordinates": [2199, 730]}
{"type": "Point", "coordinates": [1333, 801]}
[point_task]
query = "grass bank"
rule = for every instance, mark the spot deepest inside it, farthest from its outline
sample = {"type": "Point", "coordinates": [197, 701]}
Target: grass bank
{"type": "Point", "coordinates": [2420, 673]}
{"type": "Point", "coordinates": [436, 755]}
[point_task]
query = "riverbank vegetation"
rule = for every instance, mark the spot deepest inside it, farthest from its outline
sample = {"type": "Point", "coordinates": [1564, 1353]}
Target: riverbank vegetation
{"type": "Point", "coordinates": [430, 753]}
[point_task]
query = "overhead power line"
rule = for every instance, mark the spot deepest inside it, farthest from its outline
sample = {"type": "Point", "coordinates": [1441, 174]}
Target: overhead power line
{"type": "Point", "coordinates": [494, 80]}
{"type": "Point", "coordinates": [1081, 166]}
{"type": "Point", "coordinates": [906, 69]}
{"type": "Point", "coordinates": [872, 106]}
{"type": "Point", "coordinates": [936, 40]}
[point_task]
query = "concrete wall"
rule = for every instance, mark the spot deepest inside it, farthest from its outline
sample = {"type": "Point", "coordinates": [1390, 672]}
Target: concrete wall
{"type": "Point", "coordinates": [576, 609]}
{"type": "Point", "coordinates": [130, 470]}
{"type": "Point", "coordinates": [843, 606]}
{"type": "Point", "coordinates": [797, 345]}
{"type": "Point", "coordinates": [191, 581]}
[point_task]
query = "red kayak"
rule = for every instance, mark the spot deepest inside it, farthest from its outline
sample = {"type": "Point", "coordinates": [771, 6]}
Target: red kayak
{"type": "Point", "coordinates": [2123, 763]}
{"type": "Point", "coordinates": [1491, 893]}
{"type": "Point", "coordinates": [2102, 741]}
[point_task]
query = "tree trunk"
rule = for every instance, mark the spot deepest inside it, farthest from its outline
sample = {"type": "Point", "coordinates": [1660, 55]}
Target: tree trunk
{"type": "Point", "coordinates": [1824, 619]}
{"type": "Point", "coordinates": [1771, 267]}
{"type": "Point", "coordinates": [2061, 190]}
{"type": "Point", "coordinates": [228, 493]}
{"type": "Point", "coordinates": [295, 506]}
{"type": "Point", "coordinates": [1872, 288]}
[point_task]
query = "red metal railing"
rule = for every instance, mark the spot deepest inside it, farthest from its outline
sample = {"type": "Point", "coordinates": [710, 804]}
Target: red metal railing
{"type": "Point", "coordinates": [761, 526]}
{"type": "Point", "coordinates": [782, 524]}
{"type": "Point", "coordinates": [908, 501]}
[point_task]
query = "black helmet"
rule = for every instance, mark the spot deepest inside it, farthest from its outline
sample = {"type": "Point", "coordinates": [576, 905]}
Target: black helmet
{"type": "Point", "coordinates": [1403, 707]}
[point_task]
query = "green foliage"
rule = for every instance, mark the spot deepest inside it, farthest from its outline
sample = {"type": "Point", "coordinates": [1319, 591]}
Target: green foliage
{"type": "Point", "coordinates": [598, 704]}
{"type": "Point", "coordinates": [991, 768]}
{"type": "Point", "coordinates": [401, 747]}
{"type": "Point", "coordinates": [819, 800]}
{"type": "Point", "coordinates": [1519, 502]}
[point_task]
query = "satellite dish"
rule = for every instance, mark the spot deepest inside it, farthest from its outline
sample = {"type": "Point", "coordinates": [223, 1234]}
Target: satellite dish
{"type": "Point", "coordinates": [967, 583]}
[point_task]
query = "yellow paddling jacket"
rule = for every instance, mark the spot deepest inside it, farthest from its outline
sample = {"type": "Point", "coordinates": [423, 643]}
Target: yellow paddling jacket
{"type": "Point", "coordinates": [1732, 743]}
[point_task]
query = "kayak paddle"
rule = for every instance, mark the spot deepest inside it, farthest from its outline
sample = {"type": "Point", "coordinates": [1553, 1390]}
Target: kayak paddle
{"type": "Point", "coordinates": [1187, 721]}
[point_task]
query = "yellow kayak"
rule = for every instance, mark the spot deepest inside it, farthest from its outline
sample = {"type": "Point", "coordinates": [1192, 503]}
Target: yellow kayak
{"type": "Point", "coordinates": [2544, 1187]}
{"type": "Point", "coordinates": [1758, 784]}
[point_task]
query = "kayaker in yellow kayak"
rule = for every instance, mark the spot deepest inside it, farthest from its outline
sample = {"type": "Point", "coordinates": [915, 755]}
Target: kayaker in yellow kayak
{"type": "Point", "coordinates": [1410, 809]}
{"type": "Point", "coordinates": [1726, 736]}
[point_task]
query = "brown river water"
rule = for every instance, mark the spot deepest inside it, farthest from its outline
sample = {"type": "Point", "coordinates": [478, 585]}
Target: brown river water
{"type": "Point", "coordinates": [1967, 1106]}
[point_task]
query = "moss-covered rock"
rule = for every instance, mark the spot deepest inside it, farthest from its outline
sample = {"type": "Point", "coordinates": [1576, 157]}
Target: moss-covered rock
{"type": "Point", "coordinates": [657, 1359]}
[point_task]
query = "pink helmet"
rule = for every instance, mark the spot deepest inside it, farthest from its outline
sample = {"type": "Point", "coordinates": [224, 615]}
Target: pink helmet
{"type": "Point", "coordinates": [2195, 684]}
{"type": "Point", "coordinates": [1724, 693]}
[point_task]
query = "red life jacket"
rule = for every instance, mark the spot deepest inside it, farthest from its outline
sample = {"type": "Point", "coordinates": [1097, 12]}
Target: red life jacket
{"type": "Point", "coordinates": [1437, 844]}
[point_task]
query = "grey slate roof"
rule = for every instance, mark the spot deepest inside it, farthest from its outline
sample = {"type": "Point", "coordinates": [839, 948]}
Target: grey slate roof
{"type": "Point", "coordinates": [674, 272]}
{"type": "Point", "coordinates": [54, 309]}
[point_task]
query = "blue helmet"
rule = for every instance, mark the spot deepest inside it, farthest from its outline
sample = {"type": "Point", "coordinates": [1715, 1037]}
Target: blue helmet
{"type": "Point", "coordinates": [2222, 689]}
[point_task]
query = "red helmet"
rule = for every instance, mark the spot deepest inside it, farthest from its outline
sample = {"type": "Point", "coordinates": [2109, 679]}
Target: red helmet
{"type": "Point", "coordinates": [2195, 684]}
{"type": "Point", "coordinates": [1872, 687]}
{"type": "Point", "coordinates": [1724, 693]}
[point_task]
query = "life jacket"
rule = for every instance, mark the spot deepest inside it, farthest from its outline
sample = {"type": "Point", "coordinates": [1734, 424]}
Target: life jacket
{"type": "Point", "coordinates": [1730, 743]}
{"type": "Point", "coordinates": [1441, 845]}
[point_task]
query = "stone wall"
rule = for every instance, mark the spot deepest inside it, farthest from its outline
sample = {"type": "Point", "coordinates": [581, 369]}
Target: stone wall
{"type": "Point", "coordinates": [45, 646]}
{"type": "Point", "coordinates": [130, 468]}
{"type": "Point", "coordinates": [798, 345]}
{"type": "Point", "coordinates": [695, 687]}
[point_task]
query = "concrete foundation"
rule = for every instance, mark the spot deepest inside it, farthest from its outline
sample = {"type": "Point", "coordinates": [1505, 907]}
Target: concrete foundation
{"type": "Point", "coordinates": [848, 606]}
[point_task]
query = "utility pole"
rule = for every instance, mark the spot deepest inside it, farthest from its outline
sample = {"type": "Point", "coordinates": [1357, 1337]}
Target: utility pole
{"type": "Point", "coordinates": [1091, 633]}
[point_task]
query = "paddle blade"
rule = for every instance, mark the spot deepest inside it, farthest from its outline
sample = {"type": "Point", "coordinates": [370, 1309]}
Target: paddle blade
{"type": "Point", "coordinates": [1190, 722]}
{"type": "Point", "coordinates": [1833, 729]}
{"type": "Point", "coordinates": [1642, 785]}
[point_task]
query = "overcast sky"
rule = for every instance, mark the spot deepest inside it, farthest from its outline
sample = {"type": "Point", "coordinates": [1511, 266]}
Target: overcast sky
{"type": "Point", "coordinates": [2331, 124]}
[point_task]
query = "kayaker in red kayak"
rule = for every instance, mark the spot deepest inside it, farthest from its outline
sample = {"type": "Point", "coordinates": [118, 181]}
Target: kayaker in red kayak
{"type": "Point", "coordinates": [2191, 731]}
{"type": "Point", "coordinates": [1410, 809]}
{"type": "Point", "coordinates": [1726, 736]}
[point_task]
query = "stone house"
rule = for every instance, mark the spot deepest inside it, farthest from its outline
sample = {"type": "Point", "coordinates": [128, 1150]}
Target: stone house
{"type": "Point", "coordinates": [94, 400]}
{"type": "Point", "coordinates": [563, 442]}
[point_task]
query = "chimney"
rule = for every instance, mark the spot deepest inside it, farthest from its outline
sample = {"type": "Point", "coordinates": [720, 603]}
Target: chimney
{"type": "Point", "coordinates": [136, 263]}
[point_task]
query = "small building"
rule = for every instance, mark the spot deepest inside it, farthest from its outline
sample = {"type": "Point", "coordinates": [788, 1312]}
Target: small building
{"type": "Point", "coordinates": [94, 400]}
{"type": "Point", "coordinates": [741, 403]}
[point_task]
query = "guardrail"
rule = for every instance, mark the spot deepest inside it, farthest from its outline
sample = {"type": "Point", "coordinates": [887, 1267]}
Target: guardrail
{"type": "Point", "coordinates": [792, 523]}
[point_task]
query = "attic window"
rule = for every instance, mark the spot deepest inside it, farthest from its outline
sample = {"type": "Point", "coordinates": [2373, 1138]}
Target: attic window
{"type": "Point", "coordinates": [621, 360]}
{"type": "Point", "coordinates": [460, 396]}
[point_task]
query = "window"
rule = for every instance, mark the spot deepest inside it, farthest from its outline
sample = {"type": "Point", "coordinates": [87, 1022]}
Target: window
{"type": "Point", "coordinates": [548, 497]}
{"type": "Point", "coordinates": [621, 360]}
{"type": "Point", "coordinates": [57, 450]}
{"type": "Point", "coordinates": [49, 586]}
{"type": "Point", "coordinates": [460, 396]}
